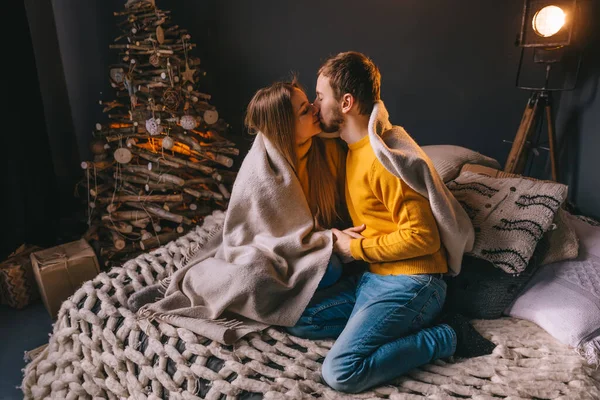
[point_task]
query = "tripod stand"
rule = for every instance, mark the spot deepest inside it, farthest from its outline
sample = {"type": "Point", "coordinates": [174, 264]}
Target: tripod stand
{"type": "Point", "coordinates": [539, 102]}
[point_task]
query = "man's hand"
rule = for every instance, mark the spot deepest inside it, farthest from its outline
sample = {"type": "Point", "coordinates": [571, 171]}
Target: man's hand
{"type": "Point", "coordinates": [341, 241]}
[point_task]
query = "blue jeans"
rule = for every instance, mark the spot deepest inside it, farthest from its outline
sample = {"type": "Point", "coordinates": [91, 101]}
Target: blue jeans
{"type": "Point", "coordinates": [383, 328]}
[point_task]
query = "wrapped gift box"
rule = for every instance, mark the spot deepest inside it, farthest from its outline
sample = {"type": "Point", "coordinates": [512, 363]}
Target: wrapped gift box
{"type": "Point", "coordinates": [17, 283]}
{"type": "Point", "coordinates": [61, 270]}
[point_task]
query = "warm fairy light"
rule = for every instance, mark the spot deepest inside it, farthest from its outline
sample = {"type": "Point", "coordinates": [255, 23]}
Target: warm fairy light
{"type": "Point", "coordinates": [116, 125]}
{"type": "Point", "coordinates": [548, 21]}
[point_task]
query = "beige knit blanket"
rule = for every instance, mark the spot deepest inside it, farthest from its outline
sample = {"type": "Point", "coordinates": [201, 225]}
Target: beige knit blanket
{"type": "Point", "coordinates": [261, 269]}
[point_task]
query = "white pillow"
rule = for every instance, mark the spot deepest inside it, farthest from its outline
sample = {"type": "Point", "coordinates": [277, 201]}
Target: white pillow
{"type": "Point", "coordinates": [449, 159]}
{"type": "Point", "coordinates": [564, 297]}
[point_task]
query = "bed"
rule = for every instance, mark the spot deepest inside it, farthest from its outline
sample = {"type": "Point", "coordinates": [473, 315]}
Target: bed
{"type": "Point", "coordinates": [100, 349]}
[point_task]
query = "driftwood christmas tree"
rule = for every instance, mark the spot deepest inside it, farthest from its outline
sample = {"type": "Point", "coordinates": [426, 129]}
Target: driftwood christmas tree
{"type": "Point", "coordinates": [162, 161]}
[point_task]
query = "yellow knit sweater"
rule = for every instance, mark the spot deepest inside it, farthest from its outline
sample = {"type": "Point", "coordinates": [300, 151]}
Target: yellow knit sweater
{"type": "Point", "coordinates": [401, 235]}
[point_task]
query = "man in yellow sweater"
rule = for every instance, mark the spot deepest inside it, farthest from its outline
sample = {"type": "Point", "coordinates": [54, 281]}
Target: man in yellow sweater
{"type": "Point", "coordinates": [384, 320]}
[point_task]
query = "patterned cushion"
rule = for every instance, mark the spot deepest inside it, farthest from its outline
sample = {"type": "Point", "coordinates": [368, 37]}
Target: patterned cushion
{"type": "Point", "coordinates": [510, 215]}
{"type": "Point", "coordinates": [448, 159]}
{"type": "Point", "coordinates": [559, 243]}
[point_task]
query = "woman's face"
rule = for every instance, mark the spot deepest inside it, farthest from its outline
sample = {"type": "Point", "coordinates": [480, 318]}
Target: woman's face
{"type": "Point", "coordinates": [306, 117]}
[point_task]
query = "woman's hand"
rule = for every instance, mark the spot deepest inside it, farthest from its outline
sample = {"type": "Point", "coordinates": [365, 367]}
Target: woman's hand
{"type": "Point", "coordinates": [341, 241]}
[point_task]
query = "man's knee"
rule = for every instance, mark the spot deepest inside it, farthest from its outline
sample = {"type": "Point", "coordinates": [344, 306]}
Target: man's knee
{"type": "Point", "coordinates": [342, 376]}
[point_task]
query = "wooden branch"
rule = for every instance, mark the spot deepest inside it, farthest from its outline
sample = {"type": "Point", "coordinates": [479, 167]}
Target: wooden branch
{"type": "Point", "coordinates": [117, 240]}
{"type": "Point", "coordinates": [125, 216]}
{"type": "Point", "coordinates": [224, 191]}
{"type": "Point", "coordinates": [155, 198]}
{"type": "Point", "coordinates": [203, 193]}
{"type": "Point", "coordinates": [155, 158]}
{"type": "Point", "coordinates": [156, 241]}
{"type": "Point", "coordinates": [159, 177]}
{"type": "Point", "coordinates": [100, 165]}
{"type": "Point", "coordinates": [140, 223]}
{"type": "Point", "coordinates": [198, 181]}
{"type": "Point", "coordinates": [194, 165]}
{"type": "Point", "coordinates": [96, 190]}
{"type": "Point", "coordinates": [159, 212]}
{"type": "Point", "coordinates": [145, 181]}
{"type": "Point", "coordinates": [119, 226]}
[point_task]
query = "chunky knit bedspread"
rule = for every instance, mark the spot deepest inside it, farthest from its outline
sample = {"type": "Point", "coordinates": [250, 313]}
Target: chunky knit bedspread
{"type": "Point", "coordinates": [99, 349]}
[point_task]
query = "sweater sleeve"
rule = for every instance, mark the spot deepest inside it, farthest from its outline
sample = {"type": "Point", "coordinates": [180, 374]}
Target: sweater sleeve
{"type": "Point", "coordinates": [416, 234]}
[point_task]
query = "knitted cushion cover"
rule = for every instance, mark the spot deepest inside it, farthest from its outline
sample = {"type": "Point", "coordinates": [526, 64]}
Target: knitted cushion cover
{"type": "Point", "coordinates": [98, 349]}
{"type": "Point", "coordinates": [483, 291]}
{"type": "Point", "coordinates": [510, 215]}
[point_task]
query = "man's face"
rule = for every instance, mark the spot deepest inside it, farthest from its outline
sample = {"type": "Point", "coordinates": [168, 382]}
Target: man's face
{"type": "Point", "coordinates": [330, 110]}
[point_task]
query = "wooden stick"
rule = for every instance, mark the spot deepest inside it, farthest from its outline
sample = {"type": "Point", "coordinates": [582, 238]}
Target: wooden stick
{"type": "Point", "coordinates": [155, 158]}
{"type": "Point", "coordinates": [159, 177]}
{"type": "Point", "coordinates": [194, 165]}
{"type": "Point", "coordinates": [203, 193]}
{"type": "Point", "coordinates": [154, 198]}
{"type": "Point", "coordinates": [119, 226]}
{"type": "Point", "coordinates": [140, 223]}
{"type": "Point", "coordinates": [95, 191]}
{"type": "Point", "coordinates": [100, 165]}
{"type": "Point", "coordinates": [198, 181]}
{"type": "Point", "coordinates": [156, 241]}
{"type": "Point", "coordinates": [125, 216]}
{"type": "Point", "coordinates": [159, 212]}
{"type": "Point", "coordinates": [145, 181]}
{"type": "Point", "coordinates": [117, 240]}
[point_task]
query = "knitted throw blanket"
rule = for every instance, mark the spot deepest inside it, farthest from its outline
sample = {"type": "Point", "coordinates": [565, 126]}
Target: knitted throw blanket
{"type": "Point", "coordinates": [261, 269]}
{"type": "Point", "coordinates": [400, 154]}
{"type": "Point", "coordinates": [99, 349]}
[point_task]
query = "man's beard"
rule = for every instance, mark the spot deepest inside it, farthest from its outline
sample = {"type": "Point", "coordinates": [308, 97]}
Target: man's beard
{"type": "Point", "coordinates": [334, 125]}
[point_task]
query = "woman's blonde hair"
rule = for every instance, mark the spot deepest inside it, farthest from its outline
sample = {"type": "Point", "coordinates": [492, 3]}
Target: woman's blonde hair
{"type": "Point", "coordinates": [270, 112]}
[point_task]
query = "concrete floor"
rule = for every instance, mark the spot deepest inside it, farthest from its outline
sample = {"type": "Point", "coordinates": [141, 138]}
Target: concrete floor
{"type": "Point", "coordinates": [20, 331]}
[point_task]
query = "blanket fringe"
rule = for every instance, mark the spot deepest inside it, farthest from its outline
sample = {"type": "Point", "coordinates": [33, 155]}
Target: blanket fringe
{"type": "Point", "coordinates": [590, 350]}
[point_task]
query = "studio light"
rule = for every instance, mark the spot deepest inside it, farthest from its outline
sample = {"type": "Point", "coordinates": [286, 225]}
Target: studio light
{"type": "Point", "coordinates": [547, 32]}
{"type": "Point", "coordinates": [548, 21]}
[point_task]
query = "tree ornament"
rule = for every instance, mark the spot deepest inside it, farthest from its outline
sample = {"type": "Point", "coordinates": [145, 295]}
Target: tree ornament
{"type": "Point", "coordinates": [211, 116]}
{"type": "Point", "coordinates": [188, 74]}
{"type": "Point", "coordinates": [153, 126]}
{"type": "Point", "coordinates": [117, 75]}
{"type": "Point", "coordinates": [171, 99]}
{"type": "Point", "coordinates": [123, 155]}
{"type": "Point", "coordinates": [97, 146]}
{"type": "Point", "coordinates": [160, 34]}
{"type": "Point", "coordinates": [167, 143]}
{"type": "Point", "coordinates": [188, 122]}
{"type": "Point", "coordinates": [154, 60]}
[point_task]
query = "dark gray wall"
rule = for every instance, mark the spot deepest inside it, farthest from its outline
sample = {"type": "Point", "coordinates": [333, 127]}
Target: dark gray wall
{"type": "Point", "coordinates": [447, 71]}
{"type": "Point", "coordinates": [578, 121]}
{"type": "Point", "coordinates": [448, 68]}
{"type": "Point", "coordinates": [84, 30]}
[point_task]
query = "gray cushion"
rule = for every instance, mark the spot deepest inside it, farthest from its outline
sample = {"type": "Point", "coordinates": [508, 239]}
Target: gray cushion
{"type": "Point", "coordinates": [449, 159]}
